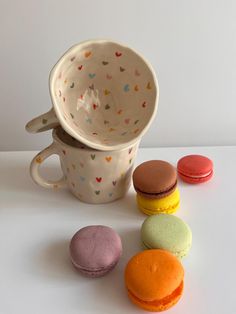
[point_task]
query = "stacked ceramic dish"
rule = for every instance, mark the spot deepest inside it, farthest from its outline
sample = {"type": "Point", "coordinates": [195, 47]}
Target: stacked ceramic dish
{"type": "Point", "coordinates": [104, 98]}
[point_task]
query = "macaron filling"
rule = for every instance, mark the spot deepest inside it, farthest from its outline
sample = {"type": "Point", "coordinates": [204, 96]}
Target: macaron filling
{"type": "Point", "coordinates": [194, 176]}
{"type": "Point", "coordinates": [95, 270]}
{"type": "Point", "coordinates": [160, 193]}
{"type": "Point", "coordinates": [163, 303]}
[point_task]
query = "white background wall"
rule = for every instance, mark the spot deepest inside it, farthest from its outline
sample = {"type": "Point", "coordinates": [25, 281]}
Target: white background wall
{"type": "Point", "coordinates": [191, 44]}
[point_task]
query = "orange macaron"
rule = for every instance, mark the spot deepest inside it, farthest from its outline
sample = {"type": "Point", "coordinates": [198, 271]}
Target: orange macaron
{"type": "Point", "coordinates": [154, 280]}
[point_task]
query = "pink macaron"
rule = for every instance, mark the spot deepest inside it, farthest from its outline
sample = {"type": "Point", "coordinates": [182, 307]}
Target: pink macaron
{"type": "Point", "coordinates": [195, 169]}
{"type": "Point", "coordinates": [95, 250]}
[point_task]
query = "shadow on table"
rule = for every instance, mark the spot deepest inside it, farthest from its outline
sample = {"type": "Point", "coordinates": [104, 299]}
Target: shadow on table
{"type": "Point", "coordinates": [53, 262]}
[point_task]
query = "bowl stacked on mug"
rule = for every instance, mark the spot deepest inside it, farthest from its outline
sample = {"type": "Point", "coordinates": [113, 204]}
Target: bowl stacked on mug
{"type": "Point", "coordinates": [104, 98]}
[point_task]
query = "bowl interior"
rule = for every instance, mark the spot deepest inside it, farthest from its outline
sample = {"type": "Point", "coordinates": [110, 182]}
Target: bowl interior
{"type": "Point", "coordinates": [104, 94]}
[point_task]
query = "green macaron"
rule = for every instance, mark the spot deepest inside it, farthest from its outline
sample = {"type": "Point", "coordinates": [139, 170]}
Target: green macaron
{"type": "Point", "coordinates": [167, 232]}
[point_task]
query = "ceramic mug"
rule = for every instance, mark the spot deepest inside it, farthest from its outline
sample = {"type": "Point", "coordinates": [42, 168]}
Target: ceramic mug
{"type": "Point", "coordinates": [93, 176]}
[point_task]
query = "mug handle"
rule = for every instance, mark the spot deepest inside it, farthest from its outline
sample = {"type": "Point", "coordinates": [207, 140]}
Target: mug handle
{"type": "Point", "coordinates": [34, 169]}
{"type": "Point", "coordinates": [43, 122]}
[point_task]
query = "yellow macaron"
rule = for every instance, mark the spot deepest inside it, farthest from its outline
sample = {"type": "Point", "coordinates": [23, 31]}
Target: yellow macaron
{"type": "Point", "coordinates": [167, 205]}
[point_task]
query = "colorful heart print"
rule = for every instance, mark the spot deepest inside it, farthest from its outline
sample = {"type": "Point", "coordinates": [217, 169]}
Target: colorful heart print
{"type": "Point", "coordinates": [103, 79]}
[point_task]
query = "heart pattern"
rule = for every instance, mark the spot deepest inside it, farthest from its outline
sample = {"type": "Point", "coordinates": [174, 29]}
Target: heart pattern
{"type": "Point", "coordinates": [149, 85]}
{"type": "Point", "coordinates": [118, 54]}
{"type": "Point", "coordinates": [39, 160]}
{"type": "Point", "coordinates": [106, 92]}
{"type": "Point", "coordinates": [87, 54]}
{"type": "Point", "coordinates": [96, 175]}
{"type": "Point", "coordinates": [92, 75]}
{"type": "Point", "coordinates": [108, 158]}
{"type": "Point", "coordinates": [126, 88]}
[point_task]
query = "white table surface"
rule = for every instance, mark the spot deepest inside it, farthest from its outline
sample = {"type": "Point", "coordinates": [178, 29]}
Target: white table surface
{"type": "Point", "coordinates": [36, 225]}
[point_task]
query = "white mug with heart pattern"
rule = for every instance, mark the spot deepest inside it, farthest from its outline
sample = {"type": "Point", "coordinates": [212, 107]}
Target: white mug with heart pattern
{"type": "Point", "coordinates": [93, 176]}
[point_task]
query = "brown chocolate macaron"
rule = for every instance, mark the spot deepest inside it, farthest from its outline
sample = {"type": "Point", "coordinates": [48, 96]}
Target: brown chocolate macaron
{"type": "Point", "coordinates": [155, 179]}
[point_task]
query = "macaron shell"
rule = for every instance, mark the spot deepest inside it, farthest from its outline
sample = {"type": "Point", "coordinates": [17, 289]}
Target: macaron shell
{"type": "Point", "coordinates": [168, 204]}
{"type": "Point", "coordinates": [153, 275]}
{"type": "Point", "coordinates": [195, 168]}
{"type": "Point", "coordinates": [95, 248]}
{"type": "Point", "coordinates": [167, 232]}
{"type": "Point", "coordinates": [155, 179]}
{"type": "Point", "coordinates": [159, 306]}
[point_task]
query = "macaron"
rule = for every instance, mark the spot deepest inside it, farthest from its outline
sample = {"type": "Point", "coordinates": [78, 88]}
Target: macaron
{"type": "Point", "coordinates": [154, 280]}
{"type": "Point", "coordinates": [95, 250]}
{"type": "Point", "coordinates": [167, 232]}
{"type": "Point", "coordinates": [195, 169]}
{"type": "Point", "coordinates": [155, 179]}
{"type": "Point", "coordinates": [168, 204]}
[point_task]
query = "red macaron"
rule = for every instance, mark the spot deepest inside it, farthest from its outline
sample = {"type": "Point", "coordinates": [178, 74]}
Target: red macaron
{"type": "Point", "coordinates": [195, 169]}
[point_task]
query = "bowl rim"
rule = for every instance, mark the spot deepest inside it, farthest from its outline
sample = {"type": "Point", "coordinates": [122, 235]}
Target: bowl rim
{"type": "Point", "coordinates": [89, 149]}
{"type": "Point", "coordinates": [99, 146]}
